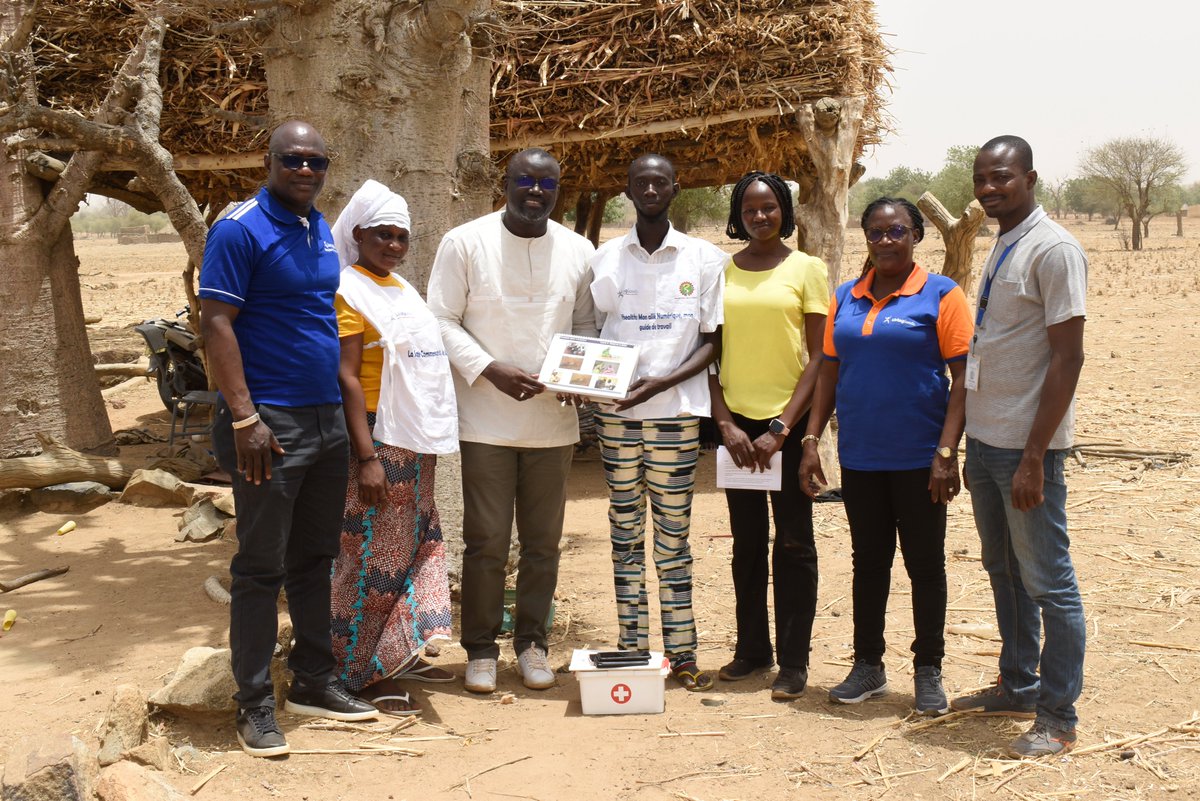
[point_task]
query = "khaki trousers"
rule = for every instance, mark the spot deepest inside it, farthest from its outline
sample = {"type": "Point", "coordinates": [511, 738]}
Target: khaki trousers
{"type": "Point", "coordinates": [497, 481]}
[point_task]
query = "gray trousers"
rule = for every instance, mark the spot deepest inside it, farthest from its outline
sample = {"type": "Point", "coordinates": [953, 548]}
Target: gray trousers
{"type": "Point", "coordinates": [498, 480]}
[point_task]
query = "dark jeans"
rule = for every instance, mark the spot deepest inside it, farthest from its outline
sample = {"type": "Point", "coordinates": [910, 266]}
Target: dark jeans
{"type": "Point", "coordinates": [793, 560]}
{"type": "Point", "coordinates": [497, 481]}
{"type": "Point", "coordinates": [880, 505]}
{"type": "Point", "coordinates": [288, 531]}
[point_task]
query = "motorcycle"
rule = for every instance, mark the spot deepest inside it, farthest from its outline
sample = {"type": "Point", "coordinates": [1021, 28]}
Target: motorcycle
{"type": "Point", "coordinates": [174, 360]}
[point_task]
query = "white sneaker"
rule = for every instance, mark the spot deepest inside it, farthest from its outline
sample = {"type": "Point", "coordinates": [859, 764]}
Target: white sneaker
{"type": "Point", "coordinates": [481, 676]}
{"type": "Point", "coordinates": [534, 668]}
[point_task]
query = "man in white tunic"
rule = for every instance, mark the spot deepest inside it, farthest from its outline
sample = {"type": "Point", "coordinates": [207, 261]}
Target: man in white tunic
{"type": "Point", "coordinates": [501, 287]}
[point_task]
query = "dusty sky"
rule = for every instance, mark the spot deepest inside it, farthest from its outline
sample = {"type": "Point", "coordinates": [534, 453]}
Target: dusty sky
{"type": "Point", "coordinates": [1065, 74]}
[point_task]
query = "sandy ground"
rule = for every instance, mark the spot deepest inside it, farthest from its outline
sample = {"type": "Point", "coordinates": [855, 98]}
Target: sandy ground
{"type": "Point", "coordinates": [132, 604]}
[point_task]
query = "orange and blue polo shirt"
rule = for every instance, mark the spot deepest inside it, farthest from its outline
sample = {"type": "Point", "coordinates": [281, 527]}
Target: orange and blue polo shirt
{"type": "Point", "coordinates": [892, 353]}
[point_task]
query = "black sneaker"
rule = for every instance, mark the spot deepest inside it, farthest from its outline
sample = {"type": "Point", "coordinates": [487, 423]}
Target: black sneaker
{"type": "Point", "coordinates": [739, 669]}
{"type": "Point", "coordinates": [865, 681]}
{"type": "Point", "coordinates": [259, 733]}
{"type": "Point", "coordinates": [332, 701]}
{"type": "Point", "coordinates": [995, 700]}
{"type": "Point", "coordinates": [789, 684]}
{"type": "Point", "coordinates": [927, 687]}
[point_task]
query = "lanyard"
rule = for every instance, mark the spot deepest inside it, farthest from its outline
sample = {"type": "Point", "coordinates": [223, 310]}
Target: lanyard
{"type": "Point", "coordinates": [987, 285]}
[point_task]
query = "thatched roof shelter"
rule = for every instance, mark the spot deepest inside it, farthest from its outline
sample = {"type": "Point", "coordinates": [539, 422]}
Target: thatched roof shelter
{"type": "Point", "coordinates": [714, 85]}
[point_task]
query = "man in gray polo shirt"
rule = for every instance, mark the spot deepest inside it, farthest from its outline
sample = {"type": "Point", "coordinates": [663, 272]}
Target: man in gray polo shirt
{"type": "Point", "coordinates": [1021, 374]}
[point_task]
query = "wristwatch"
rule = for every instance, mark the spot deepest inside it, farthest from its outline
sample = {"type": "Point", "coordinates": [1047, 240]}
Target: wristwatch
{"type": "Point", "coordinates": [776, 426]}
{"type": "Point", "coordinates": [945, 453]}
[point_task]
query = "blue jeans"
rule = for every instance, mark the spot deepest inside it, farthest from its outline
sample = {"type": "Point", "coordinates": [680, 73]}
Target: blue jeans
{"type": "Point", "coordinates": [1026, 555]}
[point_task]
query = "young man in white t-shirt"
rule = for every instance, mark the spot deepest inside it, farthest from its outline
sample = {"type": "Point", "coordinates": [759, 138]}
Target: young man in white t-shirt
{"type": "Point", "coordinates": [661, 289]}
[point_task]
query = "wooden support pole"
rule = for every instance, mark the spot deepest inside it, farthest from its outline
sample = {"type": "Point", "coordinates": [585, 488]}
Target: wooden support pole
{"type": "Point", "coordinates": [959, 235]}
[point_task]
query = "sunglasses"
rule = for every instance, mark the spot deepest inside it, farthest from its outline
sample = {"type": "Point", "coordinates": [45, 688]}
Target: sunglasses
{"type": "Point", "coordinates": [894, 233]}
{"type": "Point", "coordinates": [293, 162]}
{"type": "Point", "coordinates": [529, 182]}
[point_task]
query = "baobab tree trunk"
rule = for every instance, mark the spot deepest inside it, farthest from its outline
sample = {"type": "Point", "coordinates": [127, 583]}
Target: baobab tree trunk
{"type": "Point", "coordinates": [830, 128]}
{"type": "Point", "coordinates": [46, 377]}
{"type": "Point", "coordinates": [958, 234]}
{"type": "Point", "coordinates": [400, 95]}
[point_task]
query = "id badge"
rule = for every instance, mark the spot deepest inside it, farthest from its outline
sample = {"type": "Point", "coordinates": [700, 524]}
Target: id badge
{"type": "Point", "coordinates": [971, 380]}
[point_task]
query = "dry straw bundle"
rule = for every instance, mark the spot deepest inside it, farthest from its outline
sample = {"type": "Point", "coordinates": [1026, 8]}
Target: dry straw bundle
{"type": "Point", "coordinates": [716, 82]}
{"type": "Point", "coordinates": [712, 84]}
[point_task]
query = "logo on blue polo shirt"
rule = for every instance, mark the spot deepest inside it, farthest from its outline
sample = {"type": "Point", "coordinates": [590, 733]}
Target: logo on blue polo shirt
{"type": "Point", "coordinates": [900, 321]}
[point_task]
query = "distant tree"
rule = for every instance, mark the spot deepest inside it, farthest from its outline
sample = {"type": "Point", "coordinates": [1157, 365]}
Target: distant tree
{"type": "Point", "coordinates": [1081, 196]}
{"type": "Point", "coordinates": [1135, 169]}
{"type": "Point", "coordinates": [953, 185]}
{"type": "Point", "coordinates": [905, 182]}
{"type": "Point", "coordinates": [1055, 195]}
{"type": "Point", "coordinates": [1165, 200]}
{"type": "Point", "coordinates": [696, 206]}
{"type": "Point", "coordinates": [1191, 193]}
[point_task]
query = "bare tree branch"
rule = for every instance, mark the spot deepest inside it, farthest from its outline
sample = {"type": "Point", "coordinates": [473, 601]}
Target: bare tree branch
{"type": "Point", "coordinates": [19, 40]}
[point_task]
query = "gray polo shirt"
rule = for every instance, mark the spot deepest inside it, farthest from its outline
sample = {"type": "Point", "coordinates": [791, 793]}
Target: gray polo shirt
{"type": "Point", "coordinates": [1042, 282]}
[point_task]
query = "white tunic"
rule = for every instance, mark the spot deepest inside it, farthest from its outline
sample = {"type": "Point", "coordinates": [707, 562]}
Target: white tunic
{"type": "Point", "coordinates": [501, 297]}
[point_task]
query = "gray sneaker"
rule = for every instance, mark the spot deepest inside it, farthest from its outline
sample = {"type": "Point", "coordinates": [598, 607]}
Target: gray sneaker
{"type": "Point", "coordinates": [1041, 740]}
{"type": "Point", "coordinates": [534, 668]}
{"type": "Point", "coordinates": [927, 688]}
{"type": "Point", "coordinates": [995, 700]}
{"type": "Point", "coordinates": [865, 681]}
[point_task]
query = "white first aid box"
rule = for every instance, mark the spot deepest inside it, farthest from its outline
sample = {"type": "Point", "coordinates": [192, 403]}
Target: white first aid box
{"type": "Point", "coordinates": [620, 691]}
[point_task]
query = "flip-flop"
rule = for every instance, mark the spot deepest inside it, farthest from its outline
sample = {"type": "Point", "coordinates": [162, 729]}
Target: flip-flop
{"type": "Point", "coordinates": [424, 671]}
{"type": "Point", "coordinates": [691, 678]}
{"type": "Point", "coordinates": [403, 698]}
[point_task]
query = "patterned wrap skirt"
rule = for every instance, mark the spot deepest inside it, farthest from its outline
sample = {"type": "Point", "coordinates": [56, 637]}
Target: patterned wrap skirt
{"type": "Point", "coordinates": [390, 593]}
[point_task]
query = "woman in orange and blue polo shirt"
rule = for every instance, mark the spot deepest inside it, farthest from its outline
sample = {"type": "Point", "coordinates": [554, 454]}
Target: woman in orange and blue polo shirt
{"type": "Point", "coordinates": [892, 335]}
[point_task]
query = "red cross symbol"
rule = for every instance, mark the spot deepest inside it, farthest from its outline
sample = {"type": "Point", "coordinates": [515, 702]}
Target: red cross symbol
{"type": "Point", "coordinates": [621, 693]}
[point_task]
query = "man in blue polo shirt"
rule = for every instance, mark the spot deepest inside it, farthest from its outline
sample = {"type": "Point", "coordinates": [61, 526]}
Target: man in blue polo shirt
{"type": "Point", "coordinates": [266, 297]}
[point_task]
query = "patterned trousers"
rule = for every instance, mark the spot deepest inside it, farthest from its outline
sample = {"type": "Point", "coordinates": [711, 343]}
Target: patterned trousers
{"type": "Point", "coordinates": [655, 457]}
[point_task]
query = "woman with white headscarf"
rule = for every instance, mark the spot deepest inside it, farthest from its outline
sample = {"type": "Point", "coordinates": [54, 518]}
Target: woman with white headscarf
{"type": "Point", "coordinates": [390, 592]}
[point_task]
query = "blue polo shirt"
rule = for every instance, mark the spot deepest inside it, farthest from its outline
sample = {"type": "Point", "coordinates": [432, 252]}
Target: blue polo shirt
{"type": "Point", "coordinates": [892, 353]}
{"type": "Point", "coordinates": [281, 271]}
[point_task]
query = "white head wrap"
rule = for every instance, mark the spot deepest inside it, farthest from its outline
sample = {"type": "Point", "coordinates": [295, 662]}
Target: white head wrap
{"type": "Point", "coordinates": [373, 204]}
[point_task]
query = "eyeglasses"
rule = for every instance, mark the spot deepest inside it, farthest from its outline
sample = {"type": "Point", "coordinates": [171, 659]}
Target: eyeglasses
{"type": "Point", "coordinates": [894, 233]}
{"type": "Point", "coordinates": [529, 182]}
{"type": "Point", "coordinates": [294, 162]}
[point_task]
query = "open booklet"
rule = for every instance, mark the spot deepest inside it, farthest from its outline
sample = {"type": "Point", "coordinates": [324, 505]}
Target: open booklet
{"type": "Point", "coordinates": [598, 368]}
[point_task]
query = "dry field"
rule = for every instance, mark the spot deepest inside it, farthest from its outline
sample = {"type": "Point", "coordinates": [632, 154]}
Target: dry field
{"type": "Point", "coordinates": [132, 604]}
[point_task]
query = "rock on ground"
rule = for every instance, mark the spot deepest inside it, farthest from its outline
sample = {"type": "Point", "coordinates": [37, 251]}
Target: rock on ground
{"type": "Point", "coordinates": [126, 781]}
{"type": "Point", "coordinates": [154, 753]}
{"type": "Point", "coordinates": [201, 522]}
{"type": "Point", "coordinates": [156, 488]}
{"type": "Point", "coordinates": [71, 498]}
{"type": "Point", "coordinates": [54, 767]}
{"type": "Point", "coordinates": [203, 682]}
{"type": "Point", "coordinates": [124, 725]}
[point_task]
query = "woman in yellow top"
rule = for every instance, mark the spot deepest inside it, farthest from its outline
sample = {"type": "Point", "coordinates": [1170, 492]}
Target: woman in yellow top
{"type": "Point", "coordinates": [775, 305]}
{"type": "Point", "coordinates": [390, 591]}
